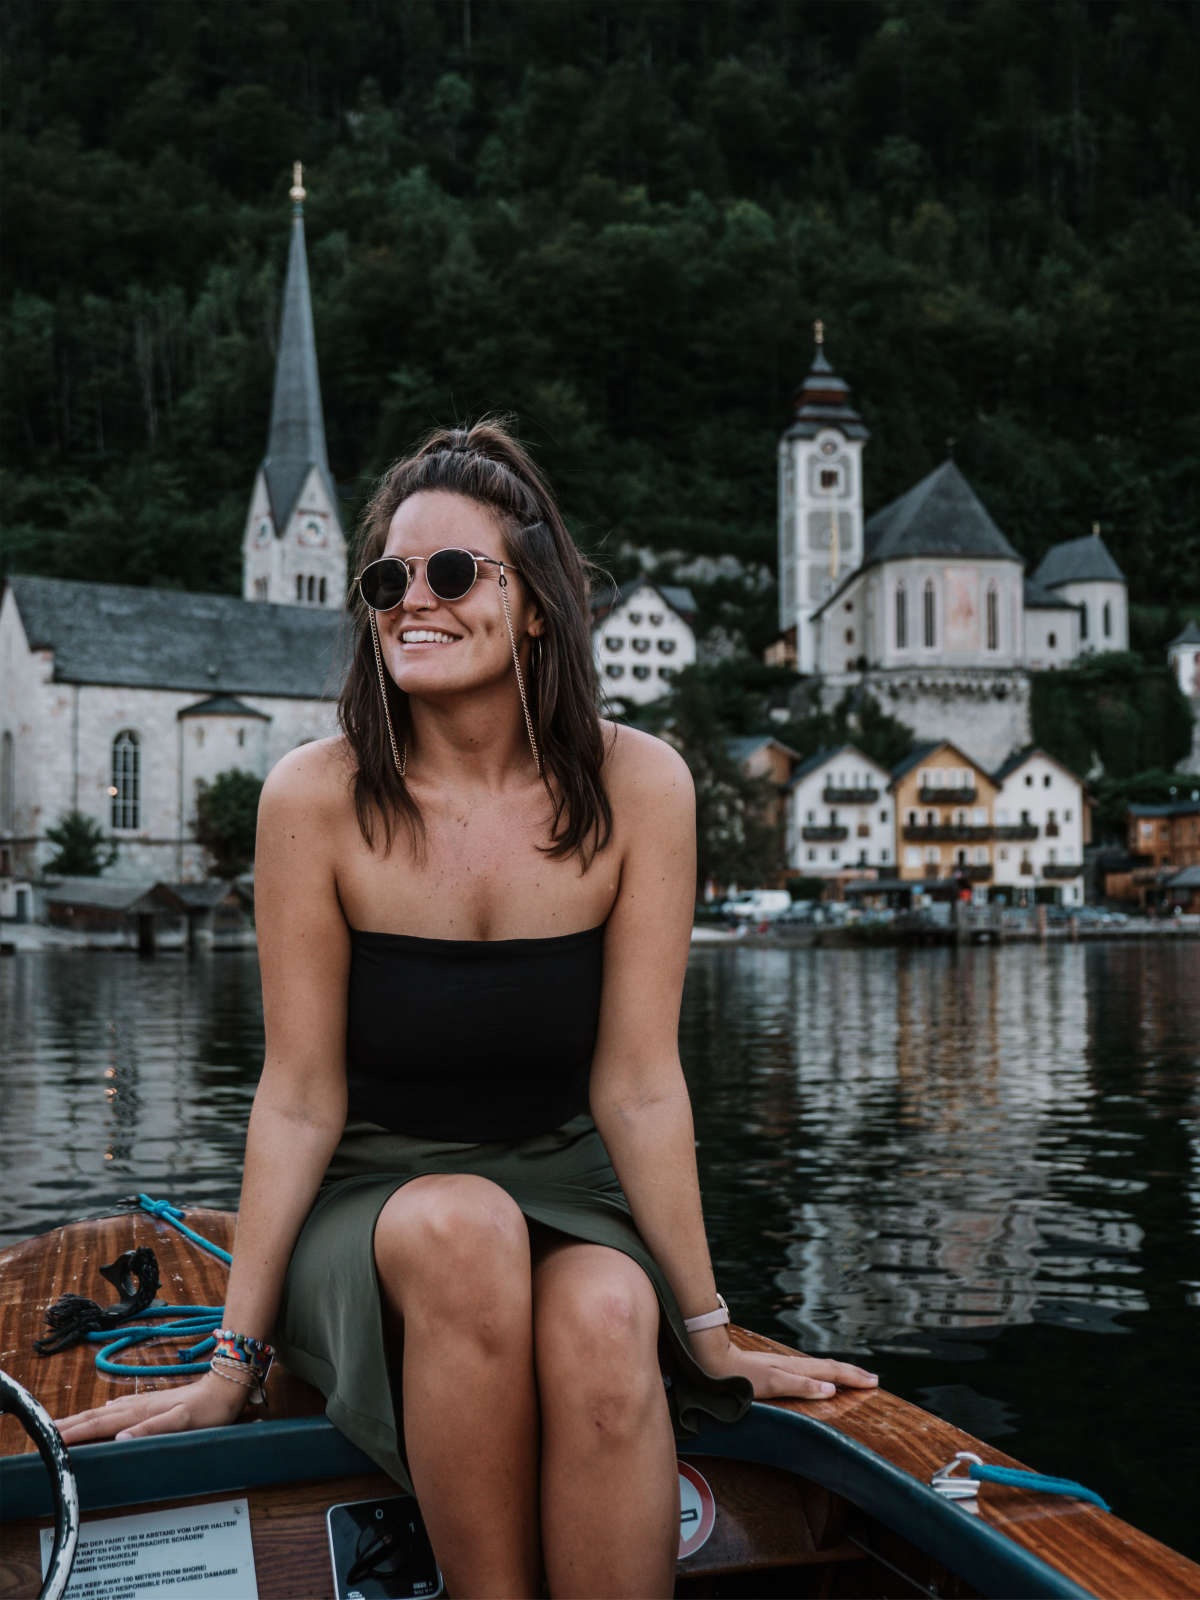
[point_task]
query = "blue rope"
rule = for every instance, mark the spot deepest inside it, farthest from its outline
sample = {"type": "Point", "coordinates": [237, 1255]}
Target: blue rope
{"type": "Point", "coordinates": [173, 1215]}
{"type": "Point", "coordinates": [1019, 1479]}
{"type": "Point", "coordinates": [186, 1322]}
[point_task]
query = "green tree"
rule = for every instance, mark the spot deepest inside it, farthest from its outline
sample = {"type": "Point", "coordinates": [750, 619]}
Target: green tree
{"type": "Point", "coordinates": [81, 849]}
{"type": "Point", "coordinates": [226, 816]}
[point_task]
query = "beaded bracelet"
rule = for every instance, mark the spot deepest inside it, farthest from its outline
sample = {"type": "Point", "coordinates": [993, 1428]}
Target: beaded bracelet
{"type": "Point", "coordinates": [238, 1353]}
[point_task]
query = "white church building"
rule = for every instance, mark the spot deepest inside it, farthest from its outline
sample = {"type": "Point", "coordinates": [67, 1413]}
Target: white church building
{"type": "Point", "coordinates": [926, 604]}
{"type": "Point", "coordinates": [121, 702]}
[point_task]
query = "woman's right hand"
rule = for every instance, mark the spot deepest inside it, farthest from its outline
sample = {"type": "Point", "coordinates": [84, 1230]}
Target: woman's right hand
{"type": "Point", "coordinates": [209, 1402]}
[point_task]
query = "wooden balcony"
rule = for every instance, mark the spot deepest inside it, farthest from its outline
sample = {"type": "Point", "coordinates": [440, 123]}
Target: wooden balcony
{"type": "Point", "coordinates": [1015, 830]}
{"type": "Point", "coordinates": [834, 796]}
{"type": "Point", "coordinates": [947, 797]}
{"type": "Point", "coordinates": [946, 833]}
{"type": "Point", "coordinates": [975, 871]}
{"type": "Point", "coordinates": [824, 835]}
{"type": "Point", "coordinates": [1062, 869]}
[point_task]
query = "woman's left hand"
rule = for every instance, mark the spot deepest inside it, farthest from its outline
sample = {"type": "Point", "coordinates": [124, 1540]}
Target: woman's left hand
{"type": "Point", "coordinates": [776, 1376]}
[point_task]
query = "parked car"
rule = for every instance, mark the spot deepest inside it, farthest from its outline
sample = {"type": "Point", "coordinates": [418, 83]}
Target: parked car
{"type": "Point", "coordinates": [757, 905]}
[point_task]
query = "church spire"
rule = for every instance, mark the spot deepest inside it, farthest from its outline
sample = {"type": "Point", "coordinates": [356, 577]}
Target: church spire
{"type": "Point", "coordinates": [296, 440]}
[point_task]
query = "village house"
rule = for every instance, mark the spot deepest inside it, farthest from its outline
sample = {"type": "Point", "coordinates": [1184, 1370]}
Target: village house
{"type": "Point", "coordinates": [642, 635]}
{"type": "Point", "coordinates": [945, 823]}
{"type": "Point", "coordinates": [1042, 822]}
{"type": "Point", "coordinates": [1163, 844]}
{"type": "Point", "coordinates": [840, 816]}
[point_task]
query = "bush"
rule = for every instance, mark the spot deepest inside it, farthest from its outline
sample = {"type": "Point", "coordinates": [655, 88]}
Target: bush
{"type": "Point", "coordinates": [226, 817]}
{"type": "Point", "coordinates": [82, 850]}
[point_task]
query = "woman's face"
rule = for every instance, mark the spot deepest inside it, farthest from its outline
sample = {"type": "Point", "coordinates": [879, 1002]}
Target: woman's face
{"type": "Point", "coordinates": [437, 646]}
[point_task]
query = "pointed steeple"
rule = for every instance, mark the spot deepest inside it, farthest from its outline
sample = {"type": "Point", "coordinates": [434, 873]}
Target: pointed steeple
{"type": "Point", "coordinates": [296, 440]}
{"type": "Point", "coordinates": [823, 399]}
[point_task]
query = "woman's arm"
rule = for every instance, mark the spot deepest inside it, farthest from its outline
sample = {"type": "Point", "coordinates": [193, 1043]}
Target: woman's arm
{"type": "Point", "coordinates": [638, 1095]}
{"type": "Point", "coordinates": [300, 1106]}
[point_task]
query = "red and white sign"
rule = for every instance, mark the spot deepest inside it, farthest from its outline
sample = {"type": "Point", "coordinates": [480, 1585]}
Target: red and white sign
{"type": "Point", "coordinates": [697, 1510]}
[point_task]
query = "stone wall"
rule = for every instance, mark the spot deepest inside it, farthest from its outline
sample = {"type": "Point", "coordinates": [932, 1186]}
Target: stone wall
{"type": "Point", "coordinates": [985, 713]}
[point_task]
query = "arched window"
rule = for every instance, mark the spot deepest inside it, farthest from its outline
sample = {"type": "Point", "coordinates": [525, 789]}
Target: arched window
{"type": "Point", "coordinates": [299, 587]}
{"type": "Point", "coordinates": [321, 591]}
{"type": "Point", "coordinates": [312, 588]}
{"type": "Point", "coordinates": [1108, 619]}
{"type": "Point", "coordinates": [993, 618]}
{"type": "Point", "coordinates": [901, 617]}
{"type": "Point", "coordinates": [930, 615]}
{"type": "Point", "coordinates": [1083, 629]}
{"type": "Point", "coordinates": [126, 780]}
{"type": "Point", "coordinates": [8, 779]}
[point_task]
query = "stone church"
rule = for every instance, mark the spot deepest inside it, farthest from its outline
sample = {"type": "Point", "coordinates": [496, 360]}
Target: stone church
{"type": "Point", "coordinates": [120, 703]}
{"type": "Point", "coordinates": [926, 605]}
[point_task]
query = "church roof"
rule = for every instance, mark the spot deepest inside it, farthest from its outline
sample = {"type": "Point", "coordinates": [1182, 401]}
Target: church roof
{"type": "Point", "coordinates": [1190, 634]}
{"type": "Point", "coordinates": [940, 516]}
{"type": "Point", "coordinates": [1039, 598]}
{"type": "Point", "coordinates": [1083, 560]}
{"type": "Point", "coordinates": [823, 401]}
{"type": "Point", "coordinates": [221, 705]}
{"type": "Point", "coordinates": [212, 644]}
{"type": "Point", "coordinates": [296, 440]}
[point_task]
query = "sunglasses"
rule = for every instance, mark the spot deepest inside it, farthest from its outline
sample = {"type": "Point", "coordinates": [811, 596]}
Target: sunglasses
{"type": "Point", "coordinates": [450, 574]}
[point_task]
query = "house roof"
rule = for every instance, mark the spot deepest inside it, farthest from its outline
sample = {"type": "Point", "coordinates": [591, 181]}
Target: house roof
{"type": "Point", "coordinates": [213, 644]}
{"type": "Point", "coordinates": [741, 749]}
{"type": "Point", "coordinates": [915, 756]}
{"type": "Point", "coordinates": [822, 757]}
{"type": "Point", "coordinates": [296, 438]}
{"type": "Point", "coordinates": [221, 705]}
{"type": "Point", "coordinates": [940, 516]}
{"type": "Point", "coordinates": [1172, 808]}
{"type": "Point", "coordinates": [112, 894]}
{"type": "Point", "coordinates": [1018, 758]}
{"type": "Point", "coordinates": [1083, 560]}
{"type": "Point", "coordinates": [1190, 634]}
{"type": "Point", "coordinates": [680, 599]}
{"type": "Point", "coordinates": [823, 401]}
{"type": "Point", "coordinates": [1189, 878]}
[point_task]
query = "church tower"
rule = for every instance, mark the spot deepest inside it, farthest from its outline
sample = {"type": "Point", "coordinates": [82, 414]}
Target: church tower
{"type": "Point", "coordinates": [293, 548]}
{"type": "Point", "coordinates": [820, 500]}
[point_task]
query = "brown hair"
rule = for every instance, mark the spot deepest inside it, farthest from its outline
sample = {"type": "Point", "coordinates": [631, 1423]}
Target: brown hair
{"type": "Point", "coordinates": [488, 465]}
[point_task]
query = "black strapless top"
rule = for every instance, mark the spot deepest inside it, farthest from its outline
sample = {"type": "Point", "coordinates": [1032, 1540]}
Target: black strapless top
{"type": "Point", "coordinates": [470, 1039]}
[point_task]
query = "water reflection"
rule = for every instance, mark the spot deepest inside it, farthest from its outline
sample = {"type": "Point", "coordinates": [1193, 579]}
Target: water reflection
{"type": "Point", "coordinates": [977, 1169]}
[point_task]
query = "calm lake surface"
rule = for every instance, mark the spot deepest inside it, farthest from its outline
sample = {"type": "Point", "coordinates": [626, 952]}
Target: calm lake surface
{"type": "Point", "coordinates": [976, 1171]}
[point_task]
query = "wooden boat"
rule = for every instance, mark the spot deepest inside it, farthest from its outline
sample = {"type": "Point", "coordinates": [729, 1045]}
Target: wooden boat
{"type": "Point", "coordinates": [826, 1498]}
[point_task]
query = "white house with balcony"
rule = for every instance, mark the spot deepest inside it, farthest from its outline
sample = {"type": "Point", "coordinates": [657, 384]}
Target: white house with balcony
{"type": "Point", "coordinates": [1041, 826]}
{"type": "Point", "coordinates": [840, 815]}
{"type": "Point", "coordinates": [642, 636]}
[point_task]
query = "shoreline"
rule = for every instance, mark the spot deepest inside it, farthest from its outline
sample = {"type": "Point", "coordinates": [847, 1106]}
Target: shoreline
{"type": "Point", "coordinates": [870, 936]}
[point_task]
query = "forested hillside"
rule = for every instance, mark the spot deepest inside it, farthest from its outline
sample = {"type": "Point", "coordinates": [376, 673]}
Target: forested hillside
{"type": "Point", "coordinates": [618, 221]}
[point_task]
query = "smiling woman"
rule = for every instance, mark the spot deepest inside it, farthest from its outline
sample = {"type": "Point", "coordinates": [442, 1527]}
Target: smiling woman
{"type": "Point", "coordinates": [470, 1213]}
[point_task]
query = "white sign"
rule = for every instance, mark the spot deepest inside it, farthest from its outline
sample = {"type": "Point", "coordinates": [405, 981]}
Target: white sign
{"type": "Point", "coordinates": [190, 1553]}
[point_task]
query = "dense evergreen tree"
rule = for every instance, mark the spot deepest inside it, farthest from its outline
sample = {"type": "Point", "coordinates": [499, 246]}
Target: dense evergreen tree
{"type": "Point", "coordinates": [618, 222]}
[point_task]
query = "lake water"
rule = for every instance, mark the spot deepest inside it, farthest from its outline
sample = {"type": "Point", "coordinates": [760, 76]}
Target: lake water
{"type": "Point", "coordinates": [976, 1171]}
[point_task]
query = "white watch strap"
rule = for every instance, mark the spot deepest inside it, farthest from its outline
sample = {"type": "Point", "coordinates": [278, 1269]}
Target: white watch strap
{"type": "Point", "coordinates": [708, 1319]}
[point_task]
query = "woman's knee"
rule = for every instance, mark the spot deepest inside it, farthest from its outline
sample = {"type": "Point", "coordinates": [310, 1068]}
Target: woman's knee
{"type": "Point", "coordinates": [447, 1244]}
{"type": "Point", "coordinates": [596, 1340]}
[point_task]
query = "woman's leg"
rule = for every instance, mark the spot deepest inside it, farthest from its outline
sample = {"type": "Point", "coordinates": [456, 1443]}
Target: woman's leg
{"type": "Point", "coordinates": [609, 1485]}
{"type": "Point", "coordinates": [452, 1254]}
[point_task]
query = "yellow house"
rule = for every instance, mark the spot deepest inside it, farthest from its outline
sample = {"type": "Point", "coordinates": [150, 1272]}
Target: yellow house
{"type": "Point", "coordinates": [945, 817]}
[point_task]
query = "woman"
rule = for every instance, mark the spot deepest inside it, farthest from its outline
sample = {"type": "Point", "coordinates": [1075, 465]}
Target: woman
{"type": "Point", "coordinates": [470, 1197]}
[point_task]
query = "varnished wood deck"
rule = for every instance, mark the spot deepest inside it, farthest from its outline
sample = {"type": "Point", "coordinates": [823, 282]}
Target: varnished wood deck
{"type": "Point", "coordinates": [1095, 1548]}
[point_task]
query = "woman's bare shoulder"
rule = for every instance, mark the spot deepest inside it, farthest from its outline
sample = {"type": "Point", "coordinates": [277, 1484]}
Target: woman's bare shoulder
{"type": "Point", "coordinates": [315, 779]}
{"type": "Point", "coordinates": [642, 770]}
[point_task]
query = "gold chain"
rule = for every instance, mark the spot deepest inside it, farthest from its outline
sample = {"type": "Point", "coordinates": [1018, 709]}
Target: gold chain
{"type": "Point", "coordinates": [537, 760]}
{"type": "Point", "coordinates": [401, 759]}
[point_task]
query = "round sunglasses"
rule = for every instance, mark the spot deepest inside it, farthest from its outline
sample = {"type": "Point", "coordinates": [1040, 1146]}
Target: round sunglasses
{"type": "Point", "coordinates": [450, 574]}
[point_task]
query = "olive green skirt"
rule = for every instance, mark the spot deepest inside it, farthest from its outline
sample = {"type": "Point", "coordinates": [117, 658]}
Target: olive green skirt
{"type": "Point", "coordinates": [330, 1327]}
